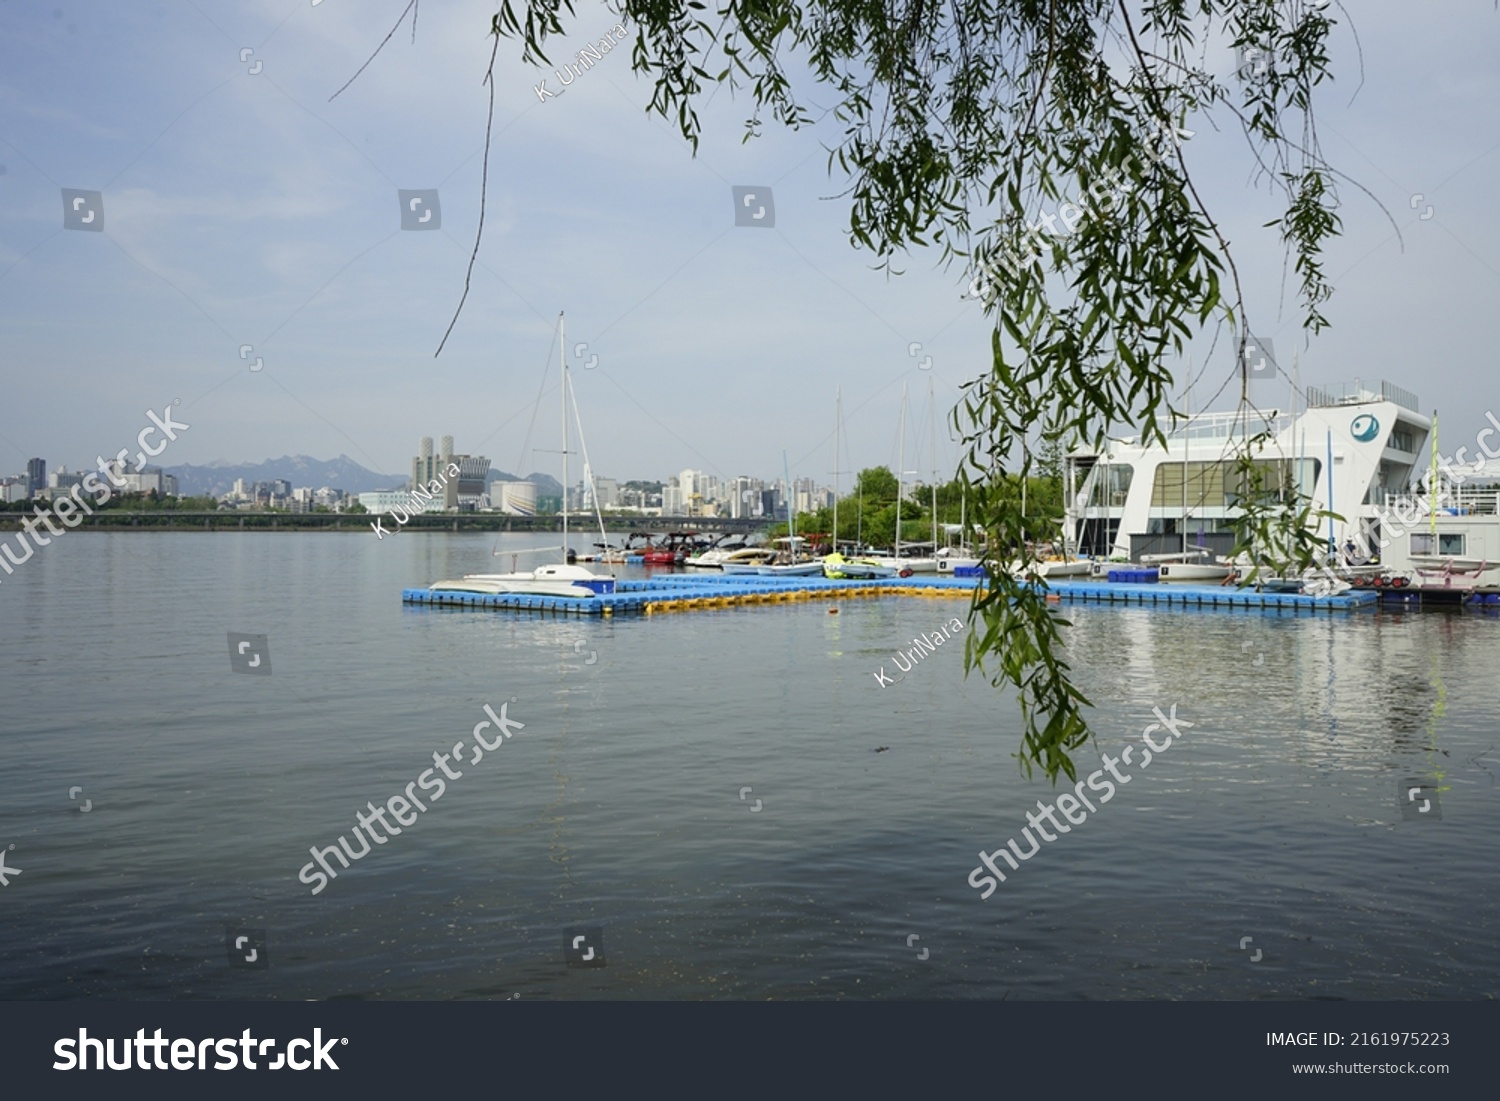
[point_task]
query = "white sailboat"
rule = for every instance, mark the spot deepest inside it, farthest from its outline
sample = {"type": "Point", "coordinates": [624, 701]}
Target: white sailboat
{"type": "Point", "coordinates": [836, 565]}
{"type": "Point", "coordinates": [905, 565]}
{"type": "Point", "coordinates": [1189, 566]}
{"type": "Point", "coordinates": [555, 579]}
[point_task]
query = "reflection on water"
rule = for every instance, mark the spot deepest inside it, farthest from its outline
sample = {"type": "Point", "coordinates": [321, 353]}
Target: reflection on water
{"type": "Point", "coordinates": [1278, 817]}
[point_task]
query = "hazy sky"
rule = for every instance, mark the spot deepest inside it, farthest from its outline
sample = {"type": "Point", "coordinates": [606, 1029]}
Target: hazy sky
{"type": "Point", "coordinates": [241, 207]}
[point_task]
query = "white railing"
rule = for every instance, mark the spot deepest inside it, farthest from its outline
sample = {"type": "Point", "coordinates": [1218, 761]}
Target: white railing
{"type": "Point", "coordinates": [1353, 393]}
{"type": "Point", "coordinates": [1222, 426]}
{"type": "Point", "coordinates": [1451, 501]}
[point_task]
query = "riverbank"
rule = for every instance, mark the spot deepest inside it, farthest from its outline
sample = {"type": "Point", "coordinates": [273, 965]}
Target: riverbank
{"type": "Point", "coordinates": [171, 520]}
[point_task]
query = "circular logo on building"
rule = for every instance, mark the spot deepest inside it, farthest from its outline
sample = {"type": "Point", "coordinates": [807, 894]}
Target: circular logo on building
{"type": "Point", "coordinates": [1365, 428]}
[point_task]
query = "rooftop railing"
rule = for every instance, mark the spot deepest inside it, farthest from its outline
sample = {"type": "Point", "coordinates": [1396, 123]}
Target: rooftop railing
{"type": "Point", "coordinates": [1356, 392]}
{"type": "Point", "coordinates": [1209, 426]}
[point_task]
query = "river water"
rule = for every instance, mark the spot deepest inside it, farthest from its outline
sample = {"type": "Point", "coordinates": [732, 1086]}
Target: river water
{"type": "Point", "coordinates": [725, 804]}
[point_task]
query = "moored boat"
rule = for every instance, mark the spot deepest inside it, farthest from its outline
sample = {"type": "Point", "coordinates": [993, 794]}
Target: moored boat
{"type": "Point", "coordinates": [564, 579]}
{"type": "Point", "coordinates": [840, 568]}
{"type": "Point", "coordinates": [1184, 567]}
{"type": "Point", "coordinates": [557, 579]}
{"type": "Point", "coordinates": [747, 559]}
{"type": "Point", "coordinates": [713, 557]}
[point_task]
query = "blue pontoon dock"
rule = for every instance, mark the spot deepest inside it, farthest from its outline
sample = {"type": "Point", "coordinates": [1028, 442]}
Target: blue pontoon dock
{"type": "Point", "coordinates": [682, 592]}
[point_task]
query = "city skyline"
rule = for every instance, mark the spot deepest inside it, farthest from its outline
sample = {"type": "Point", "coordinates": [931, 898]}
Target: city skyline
{"type": "Point", "coordinates": [689, 492]}
{"type": "Point", "coordinates": [680, 487]}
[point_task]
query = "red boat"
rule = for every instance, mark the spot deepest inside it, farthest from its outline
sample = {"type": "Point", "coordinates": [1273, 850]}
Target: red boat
{"type": "Point", "coordinates": [671, 552]}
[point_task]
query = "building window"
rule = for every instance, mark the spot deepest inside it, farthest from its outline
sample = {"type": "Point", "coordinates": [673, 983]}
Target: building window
{"type": "Point", "coordinates": [1274, 480]}
{"type": "Point", "coordinates": [1194, 485]}
{"type": "Point", "coordinates": [1111, 485]}
{"type": "Point", "coordinates": [1451, 543]}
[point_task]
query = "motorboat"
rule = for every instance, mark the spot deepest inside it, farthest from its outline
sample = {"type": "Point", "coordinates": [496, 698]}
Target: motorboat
{"type": "Point", "coordinates": [841, 568]}
{"type": "Point", "coordinates": [746, 559]}
{"type": "Point", "coordinates": [672, 550]}
{"type": "Point", "coordinates": [712, 558]}
{"type": "Point", "coordinates": [781, 560]}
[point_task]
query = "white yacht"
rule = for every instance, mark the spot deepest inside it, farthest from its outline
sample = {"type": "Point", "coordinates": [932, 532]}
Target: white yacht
{"type": "Point", "coordinates": [714, 557]}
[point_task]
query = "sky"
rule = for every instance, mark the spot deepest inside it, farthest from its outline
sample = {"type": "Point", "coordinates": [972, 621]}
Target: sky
{"type": "Point", "coordinates": [253, 268]}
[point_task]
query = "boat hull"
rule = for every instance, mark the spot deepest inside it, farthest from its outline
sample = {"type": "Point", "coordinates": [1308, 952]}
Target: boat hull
{"type": "Point", "coordinates": [1078, 567]}
{"type": "Point", "coordinates": [568, 581]}
{"type": "Point", "coordinates": [800, 569]}
{"type": "Point", "coordinates": [913, 565]}
{"type": "Point", "coordinates": [1193, 572]}
{"type": "Point", "coordinates": [840, 568]}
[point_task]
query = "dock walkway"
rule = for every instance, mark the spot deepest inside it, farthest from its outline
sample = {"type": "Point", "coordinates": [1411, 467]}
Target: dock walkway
{"type": "Point", "coordinates": [694, 592]}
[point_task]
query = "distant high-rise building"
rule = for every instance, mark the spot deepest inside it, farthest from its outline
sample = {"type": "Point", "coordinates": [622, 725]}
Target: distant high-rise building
{"type": "Point", "coordinates": [64, 480]}
{"type": "Point", "coordinates": [672, 500]}
{"type": "Point", "coordinates": [36, 477]}
{"type": "Point", "coordinates": [744, 494]}
{"type": "Point", "coordinates": [468, 491]}
{"type": "Point", "coordinates": [607, 491]}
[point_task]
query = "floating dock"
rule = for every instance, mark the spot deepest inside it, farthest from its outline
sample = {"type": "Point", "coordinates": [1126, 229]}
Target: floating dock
{"type": "Point", "coordinates": [1423, 596]}
{"type": "Point", "coordinates": [1205, 596]}
{"type": "Point", "coordinates": [694, 592]}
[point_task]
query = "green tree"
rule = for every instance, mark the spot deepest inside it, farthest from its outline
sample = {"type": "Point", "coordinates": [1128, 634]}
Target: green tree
{"type": "Point", "coordinates": [875, 486]}
{"type": "Point", "coordinates": [971, 124]}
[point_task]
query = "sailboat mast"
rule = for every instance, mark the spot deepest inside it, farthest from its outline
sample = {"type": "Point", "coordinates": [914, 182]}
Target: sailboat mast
{"type": "Point", "coordinates": [562, 355]}
{"type": "Point", "coordinates": [1187, 434]}
{"type": "Point", "coordinates": [791, 507]}
{"type": "Point", "coordinates": [932, 403]}
{"type": "Point", "coordinates": [900, 470]}
{"type": "Point", "coordinates": [838, 418]}
{"type": "Point", "coordinates": [1070, 520]}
